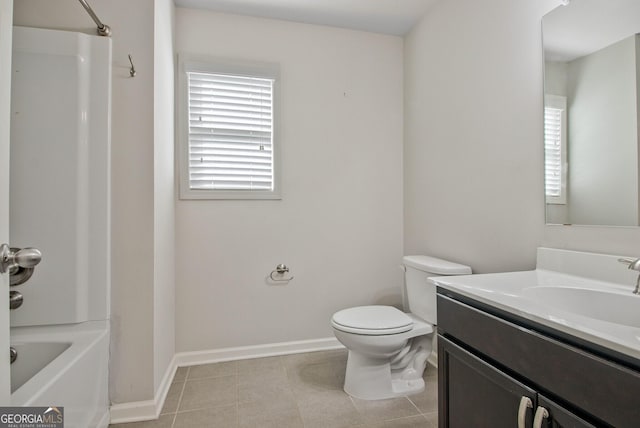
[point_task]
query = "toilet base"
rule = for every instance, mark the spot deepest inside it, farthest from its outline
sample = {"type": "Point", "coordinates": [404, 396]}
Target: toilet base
{"type": "Point", "coordinates": [370, 378]}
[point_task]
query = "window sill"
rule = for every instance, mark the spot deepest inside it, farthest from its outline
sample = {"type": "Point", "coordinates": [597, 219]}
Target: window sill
{"type": "Point", "coordinates": [221, 195]}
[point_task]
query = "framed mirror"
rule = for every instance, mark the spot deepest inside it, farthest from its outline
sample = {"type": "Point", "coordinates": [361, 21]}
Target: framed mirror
{"type": "Point", "coordinates": [592, 112]}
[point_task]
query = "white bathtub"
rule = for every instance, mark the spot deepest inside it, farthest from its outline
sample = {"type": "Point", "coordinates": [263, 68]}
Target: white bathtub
{"type": "Point", "coordinates": [64, 365]}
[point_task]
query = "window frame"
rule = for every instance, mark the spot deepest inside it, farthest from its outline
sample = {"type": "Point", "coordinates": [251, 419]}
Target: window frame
{"type": "Point", "coordinates": [558, 102]}
{"type": "Point", "coordinates": [190, 63]}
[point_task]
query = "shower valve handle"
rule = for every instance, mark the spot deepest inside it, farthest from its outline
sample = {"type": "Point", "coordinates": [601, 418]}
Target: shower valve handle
{"type": "Point", "coordinates": [24, 258]}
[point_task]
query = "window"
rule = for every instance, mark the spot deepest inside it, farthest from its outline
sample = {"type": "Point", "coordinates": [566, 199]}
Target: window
{"type": "Point", "coordinates": [555, 149]}
{"type": "Point", "coordinates": [227, 125]}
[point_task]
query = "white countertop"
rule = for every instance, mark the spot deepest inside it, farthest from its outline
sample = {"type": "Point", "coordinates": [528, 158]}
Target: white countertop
{"type": "Point", "coordinates": [505, 291]}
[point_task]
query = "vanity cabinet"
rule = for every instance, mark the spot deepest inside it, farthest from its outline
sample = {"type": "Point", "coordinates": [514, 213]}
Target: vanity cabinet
{"type": "Point", "coordinates": [497, 370]}
{"type": "Point", "coordinates": [479, 395]}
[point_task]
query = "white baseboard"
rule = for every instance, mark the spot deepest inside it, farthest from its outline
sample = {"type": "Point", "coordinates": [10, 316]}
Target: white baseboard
{"type": "Point", "coordinates": [150, 409]}
{"type": "Point", "coordinates": [133, 412]}
{"type": "Point", "coordinates": [104, 420]}
{"type": "Point", "coordinates": [433, 359]}
{"type": "Point", "coordinates": [145, 410]}
{"type": "Point", "coordinates": [185, 359]}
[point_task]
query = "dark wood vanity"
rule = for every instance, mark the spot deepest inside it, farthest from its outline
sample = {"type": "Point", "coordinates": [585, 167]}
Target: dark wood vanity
{"type": "Point", "coordinates": [497, 369]}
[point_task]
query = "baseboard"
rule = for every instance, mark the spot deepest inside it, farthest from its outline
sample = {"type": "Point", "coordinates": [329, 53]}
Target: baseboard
{"type": "Point", "coordinates": [133, 412]}
{"type": "Point", "coordinates": [433, 359]}
{"type": "Point", "coordinates": [150, 409]}
{"type": "Point", "coordinates": [145, 410]}
{"type": "Point", "coordinates": [258, 351]}
{"type": "Point", "coordinates": [103, 422]}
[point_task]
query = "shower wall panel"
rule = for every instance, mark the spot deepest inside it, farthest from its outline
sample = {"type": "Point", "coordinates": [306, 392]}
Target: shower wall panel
{"type": "Point", "coordinates": [59, 199]}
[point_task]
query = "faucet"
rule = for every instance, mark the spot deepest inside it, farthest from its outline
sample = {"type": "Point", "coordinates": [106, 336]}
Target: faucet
{"type": "Point", "coordinates": [633, 265]}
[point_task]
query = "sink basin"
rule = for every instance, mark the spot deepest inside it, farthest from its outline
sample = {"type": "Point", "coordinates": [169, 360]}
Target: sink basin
{"type": "Point", "coordinates": [614, 307]}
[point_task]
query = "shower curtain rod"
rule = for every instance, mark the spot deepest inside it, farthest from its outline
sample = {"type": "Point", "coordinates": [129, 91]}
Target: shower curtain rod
{"type": "Point", "coordinates": [103, 29]}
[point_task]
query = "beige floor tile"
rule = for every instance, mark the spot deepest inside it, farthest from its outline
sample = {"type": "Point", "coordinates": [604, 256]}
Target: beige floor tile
{"type": "Point", "coordinates": [315, 357]}
{"type": "Point", "coordinates": [181, 374]}
{"type": "Point", "coordinates": [430, 372]}
{"type": "Point", "coordinates": [380, 410]}
{"type": "Point", "coordinates": [317, 375]}
{"type": "Point", "coordinates": [164, 421]}
{"type": "Point", "coordinates": [268, 385]}
{"type": "Point", "coordinates": [427, 401]}
{"type": "Point", "coordinates": [217, 417]}
{"type": "Point", "coordinates": [293, 391]}
{"type": "Point", "coordinates": [226, 368]}
{"type": "Point", "coordinates": [432, 418]}
{"type": "Point", "coordinates": [173, 398]}
{"type": "Point", "coordinates": [330, 409]}
{"type": "Point", "coordinates": [410, 422]}
{"type": "Point", "coordinates": [269, 414]}
{"type": "Point", "coordinates": [209, 392]}
{"type": "Point", "coordinates": [260, 365]}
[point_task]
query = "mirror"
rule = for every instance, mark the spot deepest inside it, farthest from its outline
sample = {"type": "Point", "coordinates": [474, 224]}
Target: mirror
{"type": "Point", "coordinates": [592, 119]}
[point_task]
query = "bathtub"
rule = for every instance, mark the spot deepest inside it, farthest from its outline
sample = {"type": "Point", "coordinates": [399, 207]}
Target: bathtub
{"type": "Point", "coordinates": [63, 365]}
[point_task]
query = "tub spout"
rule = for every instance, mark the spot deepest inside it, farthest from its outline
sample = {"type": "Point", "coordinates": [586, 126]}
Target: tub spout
{"type": "Point", "coordinates": [633, 265]}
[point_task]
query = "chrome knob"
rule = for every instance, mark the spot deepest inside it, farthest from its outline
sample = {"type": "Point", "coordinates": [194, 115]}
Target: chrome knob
{"type": "Point", "coordinates": [27, 257]}
{"type": "Point", "coordinates": [282, 268]}
{"type": "Point", "coordinates": [15, 300]}
{"type": "Point", "coordinates": [13, 354]}
{"type": "Point", "coordinates": [12, 258]}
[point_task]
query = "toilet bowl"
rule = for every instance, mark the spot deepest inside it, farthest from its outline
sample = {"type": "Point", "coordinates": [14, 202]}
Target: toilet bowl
{"type": "Point", "coordinates": [388, 348]}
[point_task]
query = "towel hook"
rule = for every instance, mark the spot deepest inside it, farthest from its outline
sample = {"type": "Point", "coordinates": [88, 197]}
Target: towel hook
{"type": "Point", "coordinates": [281, 269]}
{"type": "Point", "coordinates": [132, 72]}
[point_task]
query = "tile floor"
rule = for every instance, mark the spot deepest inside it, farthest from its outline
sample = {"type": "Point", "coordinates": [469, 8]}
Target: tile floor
{"type": "Point", "coordinates": [300, 390]}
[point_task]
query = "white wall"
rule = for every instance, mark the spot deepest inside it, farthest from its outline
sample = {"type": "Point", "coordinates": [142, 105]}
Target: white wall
{"type": "Point", "coordinates": [164, 189]}
{"type": "Point", "coordinates": [473, 134]}
{"type": "Point", "coordinates": [6, 14]}
{"type": "Point", "coordinates": [638, 99]}
{"type": "Point", "coordinates": [140, 241]}
{"type": "Point", "coordinates": [555, 78]}
{"type": "Point", "coordinates": [603, 136]}
{"type": "Point", "coordinates": [473, 140]}
{"type": "Point", "coordinates": [339, 224]}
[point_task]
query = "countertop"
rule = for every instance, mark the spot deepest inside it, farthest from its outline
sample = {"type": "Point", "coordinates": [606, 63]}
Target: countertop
{"type": "Point", "coordinates": [507, 292]}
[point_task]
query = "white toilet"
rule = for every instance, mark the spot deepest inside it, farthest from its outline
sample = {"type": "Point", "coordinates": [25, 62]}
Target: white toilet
{"type": "Point", "coordinates": [388, 348]}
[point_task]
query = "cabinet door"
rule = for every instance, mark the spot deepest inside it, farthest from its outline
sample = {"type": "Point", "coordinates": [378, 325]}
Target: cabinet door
{"type": "Point", "coordinates": [560, 417]}
{"type": "Point", "coordinates": [475, 394]}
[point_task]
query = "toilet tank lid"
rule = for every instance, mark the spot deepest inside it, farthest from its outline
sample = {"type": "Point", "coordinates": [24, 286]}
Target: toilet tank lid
{"type": "Point", "coordinates": [435, 265]}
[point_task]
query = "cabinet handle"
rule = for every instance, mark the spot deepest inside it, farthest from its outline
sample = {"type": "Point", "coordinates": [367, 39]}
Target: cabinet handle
{"type": "Point", "coordinates": [541, 413]}
{"type": "Point", "coordinates": [525, 403]}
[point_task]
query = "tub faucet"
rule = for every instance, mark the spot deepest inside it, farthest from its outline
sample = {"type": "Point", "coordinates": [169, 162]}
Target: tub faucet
{"type": "Point", "coordinates": [633, 265]}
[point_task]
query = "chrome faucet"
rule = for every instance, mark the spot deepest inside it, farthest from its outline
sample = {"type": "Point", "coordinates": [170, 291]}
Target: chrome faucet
{"type": "Point", "coordinates": [633, 265]}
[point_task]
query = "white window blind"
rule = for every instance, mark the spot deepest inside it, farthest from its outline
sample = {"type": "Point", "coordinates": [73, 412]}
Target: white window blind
{"type": "Point", "coordinates": [555, 149]}
{"type": "Point", "coordinates": [230, 140]}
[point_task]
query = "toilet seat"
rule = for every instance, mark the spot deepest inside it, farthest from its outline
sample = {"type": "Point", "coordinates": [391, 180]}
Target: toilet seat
{"type": "Point", "coordinates": [372, 320]}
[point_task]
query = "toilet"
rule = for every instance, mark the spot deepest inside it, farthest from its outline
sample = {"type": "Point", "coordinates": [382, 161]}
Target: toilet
{"type": "Point", "coordinates": [389, 348]}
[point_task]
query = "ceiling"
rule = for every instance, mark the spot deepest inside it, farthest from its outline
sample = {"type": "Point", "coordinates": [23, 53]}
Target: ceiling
{"type": "Point", "coordinates": [585, 26]}
{"type": "Point", "coordinates": [395, 17]}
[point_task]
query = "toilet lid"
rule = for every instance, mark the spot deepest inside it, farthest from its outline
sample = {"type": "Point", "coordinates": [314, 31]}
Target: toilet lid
{"type": "Point", "coordinates": [372, 320]}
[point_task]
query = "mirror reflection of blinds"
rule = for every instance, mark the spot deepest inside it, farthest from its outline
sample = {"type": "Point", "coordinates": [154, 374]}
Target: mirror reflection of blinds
{"type": "Point", "coordinates": [230, 132]}
{"type": "Point", "coordinates": [553, 151]}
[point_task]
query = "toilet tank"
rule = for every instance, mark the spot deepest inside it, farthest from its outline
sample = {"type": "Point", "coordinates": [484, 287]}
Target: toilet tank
{"type": "Point", "coordinates": [421, 294]}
